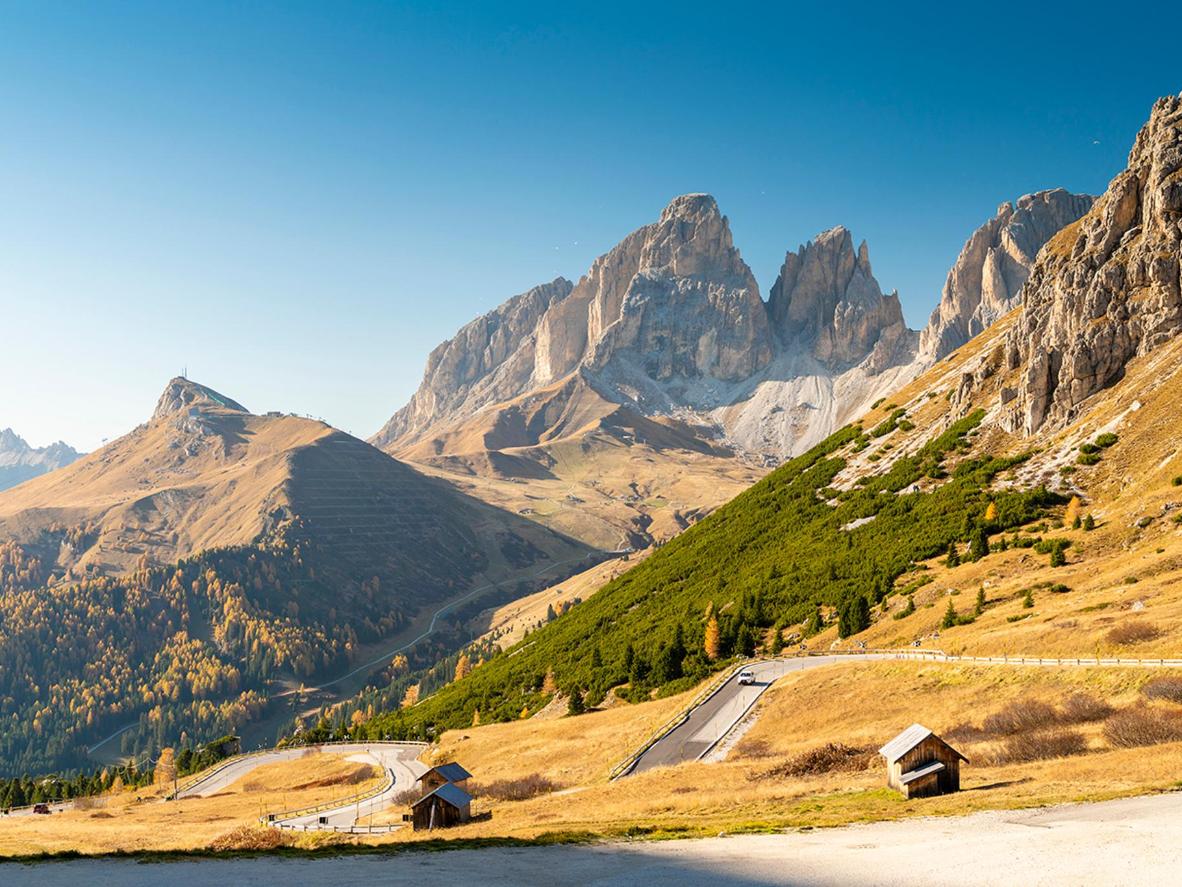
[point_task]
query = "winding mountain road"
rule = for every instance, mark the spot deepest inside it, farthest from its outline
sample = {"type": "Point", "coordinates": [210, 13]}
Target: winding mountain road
{"type": "Point", "coordinates": [397, 759]}
{"type": "Point", "coordinates": [706, 724]}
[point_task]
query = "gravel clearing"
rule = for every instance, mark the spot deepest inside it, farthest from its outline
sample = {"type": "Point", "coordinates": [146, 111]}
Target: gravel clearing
{"type": "Point", "coordinates": [1131, 841]}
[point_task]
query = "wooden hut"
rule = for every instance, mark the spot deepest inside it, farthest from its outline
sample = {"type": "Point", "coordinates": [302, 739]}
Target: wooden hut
{"type": "Point", "coordinates": [444, 773]}
{"type": "Point", "coordinates": [444, 807]}
{"type": "Point", "coordinates": [920, 763]}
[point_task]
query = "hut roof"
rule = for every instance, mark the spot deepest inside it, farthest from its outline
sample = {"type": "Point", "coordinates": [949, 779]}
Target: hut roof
{"type": "Point", "coordinates": [450, 793]}
{"type": "Point", "coordinates": [920, 772]}
{"type": "Point", "coordinates": [450, 771]}
{"type": "Point", "coordinates": [909, 739]}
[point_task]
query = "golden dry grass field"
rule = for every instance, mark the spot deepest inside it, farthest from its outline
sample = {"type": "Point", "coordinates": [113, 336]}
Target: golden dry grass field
{"type": "Point", "coordinates": [140, 820]}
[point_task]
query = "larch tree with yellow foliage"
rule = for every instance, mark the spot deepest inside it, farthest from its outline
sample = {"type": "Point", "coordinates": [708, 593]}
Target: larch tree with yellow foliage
{"type": "Point", "coordinates": [1071, 513]}
{"type": "Point", "coordinates": [991, 512]}
{"type": "Point", "coordinates": [712, 643]}
{"type": "Point", "coordinates": [165, 772]}
{"type": "Point", "coordinates": [411, 696]}
{"type": "Point", "coordinates": [463, 667]}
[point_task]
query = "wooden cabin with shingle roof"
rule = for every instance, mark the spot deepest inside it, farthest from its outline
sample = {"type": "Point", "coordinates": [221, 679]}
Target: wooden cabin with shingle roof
{"type": "Point", "coordinates": [921, 764]}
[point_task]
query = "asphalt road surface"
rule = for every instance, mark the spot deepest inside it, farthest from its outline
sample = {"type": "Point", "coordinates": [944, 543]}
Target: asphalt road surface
{"type": "Point", "coordinates": [396, 759]}
{"type": "Point", "coordinates": [1135, 841]}
{"type": "Point", "coordinates": [715, 717]}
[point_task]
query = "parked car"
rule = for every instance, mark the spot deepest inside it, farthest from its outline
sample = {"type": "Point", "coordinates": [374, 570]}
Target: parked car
{"type": "Point", "coordinates": [41, 808]}
{"type": "Point", "coordinates": [746, 677]}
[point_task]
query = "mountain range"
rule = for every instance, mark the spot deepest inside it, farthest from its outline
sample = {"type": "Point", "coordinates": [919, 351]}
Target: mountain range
{"type": "Point", "coordinates": [19, 462]}
{"type": "Point", "coordinates": [667, 345]}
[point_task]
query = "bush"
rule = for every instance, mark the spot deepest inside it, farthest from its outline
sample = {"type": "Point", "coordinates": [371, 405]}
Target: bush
{"type": "Point", "coordinates": [1105, 440]}
{"type": "Point", "coordinates": [251, 837]}
{"type": "Point", "coordinates": [1020, 716]}
{"type": "Point", "coordinates": [1039, 746]}
{"type": "Point", "coordinates": [833, 757]}
{"type": "Point", "coordinates": [1177, 480]}
{"type": "Point", "coordinates": [1087, 458]}
{"type": "Point", "coordinates": [1168, 688]}
{"type": "Point", "coordinates": [1083, 708]}
{"type": "Point", "coordinates": [1142, 725]}
{"type": "Point", "coordinates": [1133, 632]}
{"type": "Point", "coordinates": [520, 789]}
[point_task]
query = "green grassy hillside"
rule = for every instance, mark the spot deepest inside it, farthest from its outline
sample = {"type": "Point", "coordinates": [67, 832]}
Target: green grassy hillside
{"type": "Point", "coordinates": [770, 559]}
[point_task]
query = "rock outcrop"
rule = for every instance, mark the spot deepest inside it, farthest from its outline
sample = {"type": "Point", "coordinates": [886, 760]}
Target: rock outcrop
{"type": "Point", "coordinates": [1105, 289]}
{"type": "Point", "coordinates": [992, 267]}
{"type": "Point", "coordinates": [489, 360]}
{"type": "Point", "coordinates": [20, 462]}
{"type": "Point", "coordinates": [827, 302]}
{"type": "Point", "coordinates": [182, 396]}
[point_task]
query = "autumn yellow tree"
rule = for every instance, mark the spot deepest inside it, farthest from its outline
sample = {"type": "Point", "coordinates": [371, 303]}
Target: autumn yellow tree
{"type": "Point", "coordinates": [165, 772]}
{"type": "Point", "coordinates": [991, 512]}
{"type": "Point", "coordinates": [549, 684]}
{"type": "Point", "coordinates": [463, 667]}
{"type": "Point", "coordinates": [712, 642]}
{"type": "Point", "coordinates": [358, 718]}
{"type": "Point", "coordinates": [398, 664]}
{"type": "Point", "coordinates": [1071, 514]}
{"type": "Point", "coordinates": [411, 696]}
{"type": "Point", "coordinates": [476, 718]}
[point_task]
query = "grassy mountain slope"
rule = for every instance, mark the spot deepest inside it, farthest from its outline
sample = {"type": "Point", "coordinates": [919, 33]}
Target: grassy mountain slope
{"type": "Point", "coordinates": [179, 577]}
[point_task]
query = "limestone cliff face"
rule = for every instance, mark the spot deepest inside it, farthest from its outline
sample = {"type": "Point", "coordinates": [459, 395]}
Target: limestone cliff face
{"type": "Point", "coordinates": [489, 360]}
{"type": "Point", "coordinates": [827, 302]}
{"type": "Point", "coordinates": [674, 299]}
{"type": "Point", "coordinates": [992, 267]}
{"type": "Point", "coordinates": [1107, 288]}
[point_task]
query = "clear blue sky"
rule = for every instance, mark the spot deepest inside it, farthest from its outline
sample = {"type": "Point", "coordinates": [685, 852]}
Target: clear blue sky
{"type": "Point", "coordinates": [298, 201]}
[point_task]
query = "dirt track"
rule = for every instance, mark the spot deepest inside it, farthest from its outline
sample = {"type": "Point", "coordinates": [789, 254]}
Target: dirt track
{"type": "Point", "coordinates": [1132, 841]}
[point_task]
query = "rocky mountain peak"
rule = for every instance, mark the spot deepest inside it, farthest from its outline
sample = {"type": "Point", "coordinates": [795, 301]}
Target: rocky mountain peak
{"type": "Point", "coordinates": [20, 462]}
{"type": "Point", "coordinates": [182, 395]}
{"type": "Point", "coordinates": [826, 299]}
{"type": "Point", "coordinates": [987, 278]}
{"type": "Point", "coordinates": [1105, 289]}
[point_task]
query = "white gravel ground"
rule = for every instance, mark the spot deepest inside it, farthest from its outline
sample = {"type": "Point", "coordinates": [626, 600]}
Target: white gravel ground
{"type": "Point", "coordinates": [1137, 841]}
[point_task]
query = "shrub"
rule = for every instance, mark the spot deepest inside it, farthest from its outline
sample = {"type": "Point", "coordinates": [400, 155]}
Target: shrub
{"type": "Point", "coordinates": [251, 837]}
{"type": "Point", "coordinates": [1087, 458]}
{"type": "Point", "coordinates": [1168, 688]}
{"type": "Point", "coordinates": [1133, 632]}
{"type": "Point", "coordinates": [1039, 746]}
{"type": "Point", "coordinates": [1142, 725]}
{"type": "Point", "coordinates": [833, 757]}
{"type": "Point", "coordinates": [1105, 440]}
{"type": "Point", "coordinates": [521, 789]}
{"type": "Point", "coordinates": [1177, 480]}
{"type": "Point", "coordinates": [1089, 449]}
{"type": "Point", "coordinates": [1020, 716]}
{"type": "Point", "coordinates": [1083, 708]}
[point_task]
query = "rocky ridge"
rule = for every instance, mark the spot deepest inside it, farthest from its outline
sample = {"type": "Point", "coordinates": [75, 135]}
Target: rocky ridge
{"type": "Point", "coordinates": [1106, 289]}
{"type": "Point", "coordinates": [987, 278]}
{"type": "Point", "coordinates": [20, 462]}
{"type": "Point", "coordinates": [671, 322]}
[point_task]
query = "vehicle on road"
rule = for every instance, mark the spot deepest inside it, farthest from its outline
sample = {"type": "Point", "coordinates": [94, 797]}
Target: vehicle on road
{"type": "Point", "coordinates": [746, 677]}
{"type": "Point", "coordinates": [41, 808]}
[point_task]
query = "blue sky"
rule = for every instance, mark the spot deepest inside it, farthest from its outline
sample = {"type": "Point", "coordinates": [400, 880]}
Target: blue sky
{"type": "Point", "coordinates": [298, 201]}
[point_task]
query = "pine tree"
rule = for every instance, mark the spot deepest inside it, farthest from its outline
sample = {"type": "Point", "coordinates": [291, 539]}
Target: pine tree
{"type": "Point", "coordinates": [815, 623]}
{"type": "Point", "coordinates": [745, 641]}
{"type": "Point", "coordinates": [1058, 558]}
{"type": "Point", "coordinates": [1089, 523]}
{"type": "Point", "coordinates": [574, 703]}
{"type": "Point", "coordinates": [980, 608]}
{"type": "Point", "coordinates": [979, 547]}
{"type": "Point", "coordinates": [953, 559]}
{"type": "Point", "coordinates": [950, 618]}
{"type": "Point", "coordinates": [1028, 600]}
